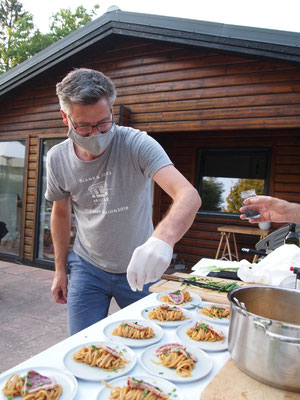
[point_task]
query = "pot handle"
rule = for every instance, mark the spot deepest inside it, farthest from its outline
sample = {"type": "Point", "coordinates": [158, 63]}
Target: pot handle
{"type": "Point", "coordinates": [288, 339]}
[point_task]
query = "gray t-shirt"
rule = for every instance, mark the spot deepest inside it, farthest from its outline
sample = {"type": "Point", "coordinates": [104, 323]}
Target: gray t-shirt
{"type": "Point", "coordinates": [110, 195]}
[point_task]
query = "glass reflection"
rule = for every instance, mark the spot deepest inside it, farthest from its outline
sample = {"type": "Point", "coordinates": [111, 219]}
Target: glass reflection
{"type": "Point", "coordinates": [45, 247]}
{"type": "Point", "coordinates": [12, 164]}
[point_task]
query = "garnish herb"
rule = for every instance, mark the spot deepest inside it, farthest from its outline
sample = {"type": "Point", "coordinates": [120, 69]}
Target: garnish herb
{"type": "Point", "coordinates": [95, 348]}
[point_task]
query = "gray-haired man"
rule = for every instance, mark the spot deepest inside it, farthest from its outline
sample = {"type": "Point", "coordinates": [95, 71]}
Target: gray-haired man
{"type": "Point", "coordinates": [106, 170]}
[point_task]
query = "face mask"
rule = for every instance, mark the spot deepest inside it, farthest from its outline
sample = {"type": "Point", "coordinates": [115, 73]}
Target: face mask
{"type": "Point", "coordinates": [95, 144]}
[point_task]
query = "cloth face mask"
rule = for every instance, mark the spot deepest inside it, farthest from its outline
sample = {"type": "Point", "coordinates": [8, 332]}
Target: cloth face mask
{"type": "Point", "coordinates": [95, 144]}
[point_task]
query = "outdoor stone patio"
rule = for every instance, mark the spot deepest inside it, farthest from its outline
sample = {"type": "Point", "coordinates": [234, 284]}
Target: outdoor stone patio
{"type": "Point", "coordinates": [30, 320]}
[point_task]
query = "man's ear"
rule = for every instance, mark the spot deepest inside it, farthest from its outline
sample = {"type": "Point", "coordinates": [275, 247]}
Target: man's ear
{"type": "Point", "coordinates": [65, 118]}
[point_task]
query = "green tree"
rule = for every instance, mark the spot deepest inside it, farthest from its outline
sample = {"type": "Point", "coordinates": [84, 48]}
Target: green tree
{"type": "Point", "coordinates": [211, 194]}
{"type": "Point", "coordinates": [234, 197]}
{"type": "Point", "coordinates": [19, 39]}
{"type": "Point", "coordinates": [16, 28]}
{"type": "Point", "coordinates": [64, 21]}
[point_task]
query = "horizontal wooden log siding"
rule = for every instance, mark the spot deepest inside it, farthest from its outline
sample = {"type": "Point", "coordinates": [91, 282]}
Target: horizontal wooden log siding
{"type": "Point", "coordinates": [202, 96]}
{"type": "Point", "coordinates": [202, 238]}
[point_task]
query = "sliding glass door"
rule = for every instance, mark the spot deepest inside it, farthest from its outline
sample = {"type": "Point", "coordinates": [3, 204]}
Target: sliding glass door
{"type": "Point", "coordinates": [12, 166]}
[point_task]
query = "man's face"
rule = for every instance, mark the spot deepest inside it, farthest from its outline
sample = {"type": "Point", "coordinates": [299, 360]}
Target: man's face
{"type": "Point", "coordinates": [90, 115]}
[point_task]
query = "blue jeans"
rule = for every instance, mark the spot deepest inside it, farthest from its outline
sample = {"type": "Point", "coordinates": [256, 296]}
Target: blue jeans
{"type": "Point", "coordinates": [90, 291]}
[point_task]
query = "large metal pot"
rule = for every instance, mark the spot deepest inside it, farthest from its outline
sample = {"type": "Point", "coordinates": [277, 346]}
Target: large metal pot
{"type": "Point", "coordinates": [264, 334]}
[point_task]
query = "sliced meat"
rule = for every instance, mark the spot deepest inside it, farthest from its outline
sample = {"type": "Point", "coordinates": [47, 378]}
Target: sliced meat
{"type": "Point", "coordinates": [203, 325]}
{"type": "Point", "coordinates": [169, 308]}
{"type": "Point", "coordinates": [135, 325]}
{"type": "Point", "coordinates": [139, 384]}
{"type": "Point", "coordinates": [113, 352]}
{"type": "Point", "coordinates": [176, 297]}
{"type": "Point", "coordinates": [175, 348]}
{"type": "Point", "coordinates": [35, 382]}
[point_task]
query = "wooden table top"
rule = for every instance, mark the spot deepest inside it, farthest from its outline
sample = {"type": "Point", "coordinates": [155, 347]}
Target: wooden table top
{"type": "Point", "coordinates": [246, 230]}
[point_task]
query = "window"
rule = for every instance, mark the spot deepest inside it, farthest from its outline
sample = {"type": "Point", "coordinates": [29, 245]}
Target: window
{"type": "Point", "coordinates": [223, 173]}
{"type": "Point", "coordinates": [12, 165]}
{"type": "Point", "coordinates": [45, 247]}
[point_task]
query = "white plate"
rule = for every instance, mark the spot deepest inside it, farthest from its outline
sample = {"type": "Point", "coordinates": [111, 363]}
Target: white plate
{"type": "Point", "coordinates": [188, 317]}
{"type": "Point", "coordinates": [196, 300]}
{"type": "Point", "coordinates": [202, 367]}
{"type": "Point", "coordinates": [207, 346]}
{"type": "Point", "coordinates": [222, 321]}
{"type": "Point", "coordinates": [63, 378]}
{"type": "Point", "coordinates": [167, 387]}
{"type": "Point", "coordinates": [84, 371]}
{"type": "Point", "coordinates": [134, 342]}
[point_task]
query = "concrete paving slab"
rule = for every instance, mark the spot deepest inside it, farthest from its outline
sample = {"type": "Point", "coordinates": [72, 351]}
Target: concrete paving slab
{"type": "Point", "coordinates": [30, 320]}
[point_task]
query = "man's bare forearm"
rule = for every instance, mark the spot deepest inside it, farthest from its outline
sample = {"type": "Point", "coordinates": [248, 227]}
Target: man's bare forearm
{"type": "Point", "coordinates": [179, 217]}
{"type": "Point", "coordinates": [60, 230]}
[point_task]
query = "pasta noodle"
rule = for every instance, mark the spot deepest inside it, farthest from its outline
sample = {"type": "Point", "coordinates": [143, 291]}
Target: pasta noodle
{"type": "Point", "coordinates": [136, 390]}
{"type": "Point", "coordinates": [133, 331]}
{"type": "Point", "coordinates": [201, 331]}
{"type": "Point", "coordinates": [214, 311]}
{"type": "Point", "coordinates": [175, 356]}
{"type": "Point", "coordinates": [100, 356]}
{"type": "Point", "coordinates": [167, 313]}
{"type": "Point", "coordinates": [171, 297]}
{"type": "Point", "coordinates": [15, 386]}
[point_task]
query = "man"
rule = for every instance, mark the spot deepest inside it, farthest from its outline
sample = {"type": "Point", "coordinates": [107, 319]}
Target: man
{"type": "Point", "coordinates": [271, 209]}
{"type": "Point", "coordinates": [105, 170]}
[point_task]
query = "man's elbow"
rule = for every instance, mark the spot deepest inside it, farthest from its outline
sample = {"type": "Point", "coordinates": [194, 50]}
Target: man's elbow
{"type": "Point", "coordinates": [195, 199]}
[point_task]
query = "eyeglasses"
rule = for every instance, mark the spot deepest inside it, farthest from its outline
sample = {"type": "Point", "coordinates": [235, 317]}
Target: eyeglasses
{"type": "Point", "coordinates": [84, 130]}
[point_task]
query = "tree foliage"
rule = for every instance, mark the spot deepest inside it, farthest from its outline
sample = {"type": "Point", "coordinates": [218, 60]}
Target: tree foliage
{"type": "Point", "coordinates": [65, 22]}
{"type": "Point", "coordinates": [234, 197]}
{"type": "Point", "coordinates": [211, 194]}
{"type": "Point", "coordinates": [19, 39]}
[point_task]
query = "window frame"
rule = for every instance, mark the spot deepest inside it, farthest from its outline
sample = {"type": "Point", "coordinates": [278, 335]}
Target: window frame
{"type": "Point", "coordinates": [47, 263]}
{"type": "Point", "coordinates": [199, 167]}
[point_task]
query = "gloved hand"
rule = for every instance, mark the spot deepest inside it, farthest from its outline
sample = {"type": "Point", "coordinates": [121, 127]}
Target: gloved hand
{"type": "Point", "coordinates": [148, 262]}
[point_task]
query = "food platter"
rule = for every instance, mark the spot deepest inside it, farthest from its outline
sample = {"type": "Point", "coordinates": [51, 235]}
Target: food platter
{"type": "Point", "coordinates": [167, 387]}
{"type": "Point", "coordinates": [196, 299]}
{"type": "Point", "coordinates": [150, 363]}
{"type": "Point", "coordinates": [62, 377]}
{"type": "Point", "coordinates": [86, 372]}
{"type": "Point", "coordinates": [168, 324]}
{"type": "Point", "coordinates": [107, 331]}
{"type": "Point", "coordinates": [204, 345]}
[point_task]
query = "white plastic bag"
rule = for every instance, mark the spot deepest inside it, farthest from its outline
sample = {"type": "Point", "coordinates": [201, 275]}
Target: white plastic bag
{"type": "Point", "coordinates": [272, 269]}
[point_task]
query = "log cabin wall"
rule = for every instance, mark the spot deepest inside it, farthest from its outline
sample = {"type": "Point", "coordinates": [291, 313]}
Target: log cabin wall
{"type": "Point", "coordinates": [186, 98]}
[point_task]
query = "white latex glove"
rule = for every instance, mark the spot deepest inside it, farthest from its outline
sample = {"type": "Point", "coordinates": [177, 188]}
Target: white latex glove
{"type": "Point", "coordinates": [148, 263]}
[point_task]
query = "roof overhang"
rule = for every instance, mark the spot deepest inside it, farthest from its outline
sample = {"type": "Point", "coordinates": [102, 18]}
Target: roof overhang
{"type": "Point", "coordinates": [232, 38]}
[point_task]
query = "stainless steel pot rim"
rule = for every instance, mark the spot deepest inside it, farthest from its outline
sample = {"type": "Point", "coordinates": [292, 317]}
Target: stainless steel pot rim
{"type": "Point", "coordinates": [254, 316]}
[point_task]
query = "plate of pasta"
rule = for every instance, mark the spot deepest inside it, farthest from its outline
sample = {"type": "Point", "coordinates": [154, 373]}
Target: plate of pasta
{"type": "Point", "coordinates": [94, 361]}
{"type": "Point", "coordinates": [133, 332]}
{"type": "Point", "coordinates": [208, 337]}
{"type": "Point", "coordinates": [167, 316]}
{"type": "Point", "coordinates": [217, 313]}
{"type": "Point", "coordinates": [176, 362]}
{"type": "Point", "coordinates": [38, 382]}
{"type": "Point", "coordinates": [183, 298]}
{"type": "Point", "coordinates": [140, 387]}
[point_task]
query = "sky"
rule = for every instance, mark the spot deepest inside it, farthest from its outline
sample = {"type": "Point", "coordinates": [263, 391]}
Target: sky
{"type": "Point", "coordinates": [270, 14]}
